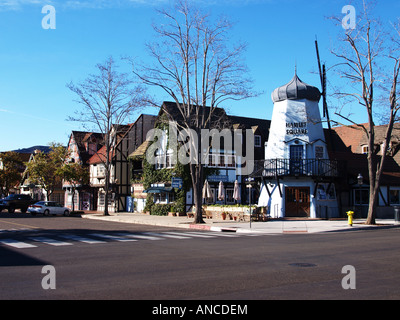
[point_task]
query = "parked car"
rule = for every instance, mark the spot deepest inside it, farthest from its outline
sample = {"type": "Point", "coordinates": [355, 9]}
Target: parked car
{"type": "Point", "coordinates": [47, 208]}
{"type": "Point", "coordinates": [16, 201]}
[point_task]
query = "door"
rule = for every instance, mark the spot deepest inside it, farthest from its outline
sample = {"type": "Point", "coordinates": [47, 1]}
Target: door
{"type": "Point", "coordinates": [296, 159]}
{"type": "Point", "coordinates": [297, 202]}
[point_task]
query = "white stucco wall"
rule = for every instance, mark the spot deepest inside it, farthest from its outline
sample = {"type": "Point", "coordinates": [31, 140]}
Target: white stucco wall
{"type": "Point", "coordinates": [295, 120]}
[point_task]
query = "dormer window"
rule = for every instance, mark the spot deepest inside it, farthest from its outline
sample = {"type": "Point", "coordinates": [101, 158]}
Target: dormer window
{"type": "Point", "coordinates": [319, 152]}
{"type": "Point", "coordinates": [257, 141]}
{"type": "Point", "coordinates": [364, 149]}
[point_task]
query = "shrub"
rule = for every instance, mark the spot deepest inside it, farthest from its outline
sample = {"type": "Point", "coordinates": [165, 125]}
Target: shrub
{"type": "Point", "coordinates": [160, 209]}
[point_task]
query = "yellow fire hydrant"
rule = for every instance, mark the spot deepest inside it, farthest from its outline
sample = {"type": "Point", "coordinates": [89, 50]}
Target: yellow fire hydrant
{"type": "Point", "coordinates": [350, 215]}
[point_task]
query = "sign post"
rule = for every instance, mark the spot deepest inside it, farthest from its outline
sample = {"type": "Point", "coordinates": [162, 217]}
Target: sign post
{"type": "Point", "coordinates": [249, 185]}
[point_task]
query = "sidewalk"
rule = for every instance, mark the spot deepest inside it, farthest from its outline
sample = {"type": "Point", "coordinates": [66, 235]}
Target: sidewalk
{"type": "Point", "coordinates": [271, 227]}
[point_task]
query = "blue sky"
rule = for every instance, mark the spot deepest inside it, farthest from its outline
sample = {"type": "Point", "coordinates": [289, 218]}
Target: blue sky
{"type": "Point", "coordinates": [36, 64]}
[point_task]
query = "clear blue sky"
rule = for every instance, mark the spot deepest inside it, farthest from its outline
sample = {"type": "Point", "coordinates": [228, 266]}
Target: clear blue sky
{"type": "Point", "coordinates": [36, 64]}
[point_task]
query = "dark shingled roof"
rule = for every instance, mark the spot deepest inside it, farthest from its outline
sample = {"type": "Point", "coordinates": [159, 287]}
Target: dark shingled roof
{"type": "Point", "coordinates": [295, 90]}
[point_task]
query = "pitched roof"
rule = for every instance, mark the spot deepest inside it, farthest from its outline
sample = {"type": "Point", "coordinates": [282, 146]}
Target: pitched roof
{"type": "Point", "coordinates": [140, 151]}
{"type": "Point", "coordinates": [350, 136]}
{"type": "Point", "coordinates": [80, 137]}
{"type": "Point", "coordinates": [171, 109]}
{"type": "Point", "coordinates": [100, 156]}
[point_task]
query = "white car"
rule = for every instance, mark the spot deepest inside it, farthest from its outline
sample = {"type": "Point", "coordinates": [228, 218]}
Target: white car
{"type": "Point", "coordinates": [47, 208]}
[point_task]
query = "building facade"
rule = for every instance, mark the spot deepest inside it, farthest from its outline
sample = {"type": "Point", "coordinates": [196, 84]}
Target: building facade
{"type": "Point", "coordinates": [297, 176]}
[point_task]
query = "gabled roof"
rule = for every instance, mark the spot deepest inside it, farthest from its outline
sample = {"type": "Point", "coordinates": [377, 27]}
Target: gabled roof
{"type": "Point", "coordinates": [100, 156]}
{"type": "Point", "coordinates": [80, 137]}
{"type": "Point", "coordinates": [218, 116]}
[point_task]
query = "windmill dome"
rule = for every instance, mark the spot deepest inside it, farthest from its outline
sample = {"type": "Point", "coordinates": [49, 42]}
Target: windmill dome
{"type": "Point", "coordinates": [296, 90]}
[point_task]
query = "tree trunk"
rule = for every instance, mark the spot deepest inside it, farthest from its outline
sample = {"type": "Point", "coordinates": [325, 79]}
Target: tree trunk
{"type": "Point", "coordinates": [373, 203]}
{"type": "Point", "coordinates": [196, 172]}
{"type": "Point", "coordinates": [73, 199]}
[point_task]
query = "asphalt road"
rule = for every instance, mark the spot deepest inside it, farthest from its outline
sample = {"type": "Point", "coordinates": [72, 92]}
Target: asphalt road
{"type": "Point", "coordinates": [139, 262]}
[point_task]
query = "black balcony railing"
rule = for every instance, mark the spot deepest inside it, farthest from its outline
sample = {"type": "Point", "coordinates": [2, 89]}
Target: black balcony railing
{"type": "Point", "coordinates": [299, 167]}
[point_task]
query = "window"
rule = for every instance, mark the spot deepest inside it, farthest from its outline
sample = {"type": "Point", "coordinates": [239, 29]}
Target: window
{"type": "Point", "coordinates": [229, 196]}
{"type": "Point", "coordinates": [324, 194]}
{"type": "Point", "coordinates": [101, 170]}
{"type": "Point", "coordinates": [296, 152]}
{"type": "Point", "coordinates": [364, 149]}
{"type": "Point", "coordinates": [164, 198]}
{"type": "Point", "coordinates": [102, 199]}
{"type": "Point", "coordinates": [212, 160]}
{"type": "Point", "coordinates": [221, 161]}
{"type": "Point", "coordinates": [92, 148]}
{"type": "Point", "coordinates": [361, 196]}
{"type": "Point", "coordinates": [160, 197]}
{"type": "Point", "coordinates": [319, 152]}
{"type": "Point", "coordinates": [394, 196]}
{"type": "Point", "coordinates": [163, 161]}
{"type": "Point", "coordinates": [257, 141]}
{"type": "Point", "coordinates": [231, 161]}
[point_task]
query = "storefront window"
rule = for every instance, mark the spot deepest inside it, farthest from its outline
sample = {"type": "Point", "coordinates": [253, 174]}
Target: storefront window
{"type": "Point", "coordinates": [394, 196]}
{"type": "Point", "coordinates": [229, 196]}
{"type": "Point", "coordinates": [361, 197]}
{"type": "Point", "coordinates": [323, 193]}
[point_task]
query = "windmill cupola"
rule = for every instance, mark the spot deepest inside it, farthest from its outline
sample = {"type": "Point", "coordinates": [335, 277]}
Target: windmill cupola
{"type": "Point", "coordinates": [296, 90]}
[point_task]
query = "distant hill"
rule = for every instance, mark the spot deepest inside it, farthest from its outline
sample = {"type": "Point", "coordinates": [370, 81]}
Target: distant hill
{"type": "Point", "coordinates": [44, 149]}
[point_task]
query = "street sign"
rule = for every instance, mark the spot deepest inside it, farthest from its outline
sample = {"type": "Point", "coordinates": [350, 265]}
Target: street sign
{"type": "Point", "coordinates": [177, 183]}
{"type": "Point", "coordinates": [218, 178]}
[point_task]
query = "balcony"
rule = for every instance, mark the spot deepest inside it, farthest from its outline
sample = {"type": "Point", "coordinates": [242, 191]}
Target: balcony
{"type": "Point", "coordinates": [315, 168]}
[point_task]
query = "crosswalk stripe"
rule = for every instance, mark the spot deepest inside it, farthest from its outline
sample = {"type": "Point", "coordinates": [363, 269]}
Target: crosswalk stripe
{"type": "Point", "coordinates": [74, 237]}
{"type": "Point", "coordinates": [17, 244]}
{"type": "Point", "coordinates": [121, 237]}
{"type": "Point", "coordinates": [219, 234]}
{"type": "Point", "coordinates": [139, 236]}
{"type": "Point", "coordinates": [191, 234]}
{"type": "Point", "coordinates": [111, 237]}
{"type": "Point", "coordinates": [171, 236]}
{"type": "Point", "coordinates": [49, 241]}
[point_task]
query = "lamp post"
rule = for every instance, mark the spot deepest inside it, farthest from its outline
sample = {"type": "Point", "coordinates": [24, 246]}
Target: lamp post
{"type": "Point", "coordinates": [360, 182]}
{"type": "Point", "coordinates": [249, 185]}
{"type": "Point", "coordinates": [360, 179]}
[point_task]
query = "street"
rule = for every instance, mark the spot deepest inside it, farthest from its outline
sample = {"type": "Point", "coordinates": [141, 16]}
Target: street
{"type": "Point", "coordinates": [102, 260]}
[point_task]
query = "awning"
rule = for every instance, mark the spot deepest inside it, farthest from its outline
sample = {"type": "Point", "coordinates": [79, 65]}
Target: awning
{"type": "Point", "coordinates": [141, 150]}
{"type": "Point", "coordinates": [159, 190]}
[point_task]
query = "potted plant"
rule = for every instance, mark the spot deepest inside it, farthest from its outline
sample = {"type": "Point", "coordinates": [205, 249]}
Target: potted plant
{"type": "Point", "coordinates": [172, 212]}
{"type": "Point", "coordinates": [223, 214]}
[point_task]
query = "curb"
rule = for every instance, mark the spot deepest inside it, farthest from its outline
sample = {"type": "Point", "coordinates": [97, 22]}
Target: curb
{"type": "Point", "coordinates": [221, 229]}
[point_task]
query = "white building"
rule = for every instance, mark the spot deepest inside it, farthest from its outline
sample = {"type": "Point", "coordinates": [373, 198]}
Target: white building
{"type": "Point", "coordinates": [297, 175]}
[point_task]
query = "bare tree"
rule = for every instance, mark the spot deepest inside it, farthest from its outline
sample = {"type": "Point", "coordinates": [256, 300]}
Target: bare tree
{"type": "Point", "coordinates": [196, 67]}
{"type": "Point", "coordinates": [368, 50]}
{"type": "Point", "coordinates": [108, 99]}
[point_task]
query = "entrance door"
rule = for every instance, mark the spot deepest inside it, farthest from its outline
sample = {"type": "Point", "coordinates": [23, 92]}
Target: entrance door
{"type": "Point", "coordinates": [297, 202]}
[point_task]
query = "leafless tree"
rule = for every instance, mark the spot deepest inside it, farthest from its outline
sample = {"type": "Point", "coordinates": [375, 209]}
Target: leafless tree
{"type": "Point", "coordinates": [367, 52]}
{"type": "Point", "coordinates": [197, 67]}
{"type": "Point", "coordinates": [108, 99]}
